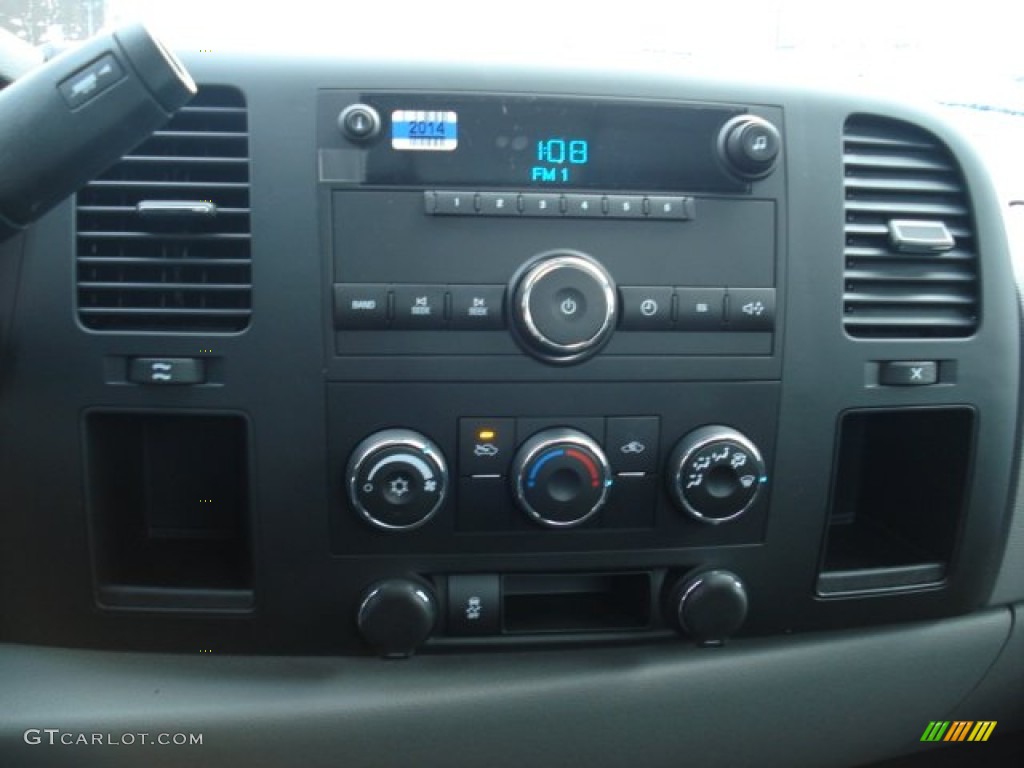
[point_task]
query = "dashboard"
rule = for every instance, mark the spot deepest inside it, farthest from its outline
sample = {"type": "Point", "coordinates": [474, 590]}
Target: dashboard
{"type": "Point", "coordinates": [370, 398]}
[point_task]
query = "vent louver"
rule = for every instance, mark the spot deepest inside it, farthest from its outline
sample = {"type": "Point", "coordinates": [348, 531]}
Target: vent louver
{"type": "Point", "coordinates": [163, 237]}
{"type": "Point", "coordinates": [911, 261]}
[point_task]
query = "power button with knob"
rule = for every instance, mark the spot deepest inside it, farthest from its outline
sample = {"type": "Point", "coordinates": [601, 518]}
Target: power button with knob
{"type": "Point", "coordinates": [359, 122]}
{"type": "Point", "coordinates": [563, 305]}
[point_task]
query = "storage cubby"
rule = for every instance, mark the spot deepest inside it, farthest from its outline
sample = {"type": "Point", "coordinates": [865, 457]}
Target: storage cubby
{"type": "Point", "coordinates": [168, 509]}
{"type": "Point", "coordinates": [898, 498]}
{"type": "Point", "coordinates": [576, 602]}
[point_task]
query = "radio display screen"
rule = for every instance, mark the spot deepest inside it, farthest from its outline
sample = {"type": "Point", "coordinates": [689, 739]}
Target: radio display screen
{"type": "Point", "coordinates": [442, 140]}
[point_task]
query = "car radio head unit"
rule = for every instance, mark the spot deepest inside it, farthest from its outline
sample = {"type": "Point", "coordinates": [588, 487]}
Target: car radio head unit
{"type": "Point", "coordinates": [552, 229]}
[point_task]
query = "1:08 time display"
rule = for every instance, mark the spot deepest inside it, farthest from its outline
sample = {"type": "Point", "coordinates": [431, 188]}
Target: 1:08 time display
{"type": "Point", "coordinates": [556, 158]}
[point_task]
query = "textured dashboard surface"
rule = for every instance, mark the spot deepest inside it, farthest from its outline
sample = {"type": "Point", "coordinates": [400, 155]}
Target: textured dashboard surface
{"type": "Point", "coordinates": [836, 699]}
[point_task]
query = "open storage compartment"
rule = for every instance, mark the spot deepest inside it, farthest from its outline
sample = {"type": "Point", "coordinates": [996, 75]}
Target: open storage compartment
{"type": "Point", "coordinates": [576, 602]}
{"type": "Point", "coordinates": [898, 498]}
{"type": "Point", "coordinates": [169, 512]}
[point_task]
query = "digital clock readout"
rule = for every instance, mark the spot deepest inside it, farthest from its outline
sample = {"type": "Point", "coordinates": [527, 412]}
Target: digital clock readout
{"type": "Point", "coordinates": [557, 158]}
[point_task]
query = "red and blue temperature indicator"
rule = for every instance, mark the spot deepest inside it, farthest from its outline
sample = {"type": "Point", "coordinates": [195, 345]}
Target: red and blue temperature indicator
{"type": "Point", "coordinates": [572, 453]}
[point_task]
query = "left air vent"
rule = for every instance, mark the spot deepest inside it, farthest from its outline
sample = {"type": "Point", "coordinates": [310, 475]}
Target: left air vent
{"type": "Point", "coordinates": [163, 237]}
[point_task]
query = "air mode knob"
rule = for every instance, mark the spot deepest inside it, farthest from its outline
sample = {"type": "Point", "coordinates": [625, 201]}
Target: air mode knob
{"type": "Point", "coordinates": [563, 305]}
{"type": "Point", "coordinates": [715, 474]}
{"type": "Point", "coordinates": [397, 479]}
{"type": "Point", "coordinates": [750, 146]}
{"type": "Point", "coordinates": [561, 477]}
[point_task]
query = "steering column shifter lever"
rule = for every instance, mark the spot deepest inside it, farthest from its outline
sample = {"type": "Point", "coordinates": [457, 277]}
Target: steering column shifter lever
{"type": "Point", "coordinates": [66, 121]}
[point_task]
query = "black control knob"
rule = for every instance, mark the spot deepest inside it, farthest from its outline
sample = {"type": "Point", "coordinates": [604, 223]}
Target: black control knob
{"type": "Point", "coordinates": [715, 473]}
{"type": "Point", "coordinates": [397, 479]}
{"type": "Point", "coordinates": [750, 146]}
{"type": "Point", "coordinates": [563, 305]}
{"type": "Point", "coordinates": [708, 607]}
{"type": "Point", "coordinates": [561, 477]}
{"type": "Point", "coordinates": [397, 616]}
{"type": "Point", "coordinates": [359, 122]}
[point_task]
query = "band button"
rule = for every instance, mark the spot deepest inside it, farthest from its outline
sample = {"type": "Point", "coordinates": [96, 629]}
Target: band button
{"type": "Point", "coordinates": [360, 306]}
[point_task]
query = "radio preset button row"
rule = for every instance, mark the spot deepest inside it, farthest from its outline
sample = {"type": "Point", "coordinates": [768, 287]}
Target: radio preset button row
{"type": "Point", "coordinates": [556, 205]}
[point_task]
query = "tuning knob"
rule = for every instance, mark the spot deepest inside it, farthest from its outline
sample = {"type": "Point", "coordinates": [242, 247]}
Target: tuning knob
{"type": "Point", "coordinates": [561, 477]}
{"type": "Point", "coordinates": [750, 146]}
{"type": "Point", "coordinates": [397, 616]}
{"type": "Point", "coordinates": [708, 607]}
{"type": "Point", "coordinates": [563, 305]}
{"type": "Point", "coordinates": [715, 474]}
{"type": "Point", "coordinates": [397, 479]}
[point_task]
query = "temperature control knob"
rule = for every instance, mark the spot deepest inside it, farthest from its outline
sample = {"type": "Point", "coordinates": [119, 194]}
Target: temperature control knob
{"type": "Point", "coordinates": [561, 477]}
{"type": "Point", "coordinates": [715, 473]}
{"type": "Point", "coordinates": [397, 479]}
{"type": "Point", "coordinates": [750, 146]}
{"type": "Point", "coordinates": [564, 306]}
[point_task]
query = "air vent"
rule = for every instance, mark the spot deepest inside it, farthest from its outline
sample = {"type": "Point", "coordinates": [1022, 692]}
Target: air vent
{"type": "Point", "coordinates": [163, 236]}
{"type": "Point", "coordinates": [911, 260]}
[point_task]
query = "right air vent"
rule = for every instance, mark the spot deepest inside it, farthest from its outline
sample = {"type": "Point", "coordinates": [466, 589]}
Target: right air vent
{"type": "Point", "coordinates": [911, 260]}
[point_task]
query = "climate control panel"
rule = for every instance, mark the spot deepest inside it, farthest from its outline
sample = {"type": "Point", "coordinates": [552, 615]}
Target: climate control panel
{"type": "Point", "coordinates": [424, 468]}
{"type": "Point", "coordinates": [522, 475]}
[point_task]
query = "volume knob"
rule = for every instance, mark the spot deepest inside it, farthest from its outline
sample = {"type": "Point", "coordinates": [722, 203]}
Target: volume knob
{"type": "Point", "coordinates": [564, 306]}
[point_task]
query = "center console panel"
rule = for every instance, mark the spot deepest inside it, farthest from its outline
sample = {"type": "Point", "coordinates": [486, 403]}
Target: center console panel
{"type": "Point", "coordinates": [543, 361]}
